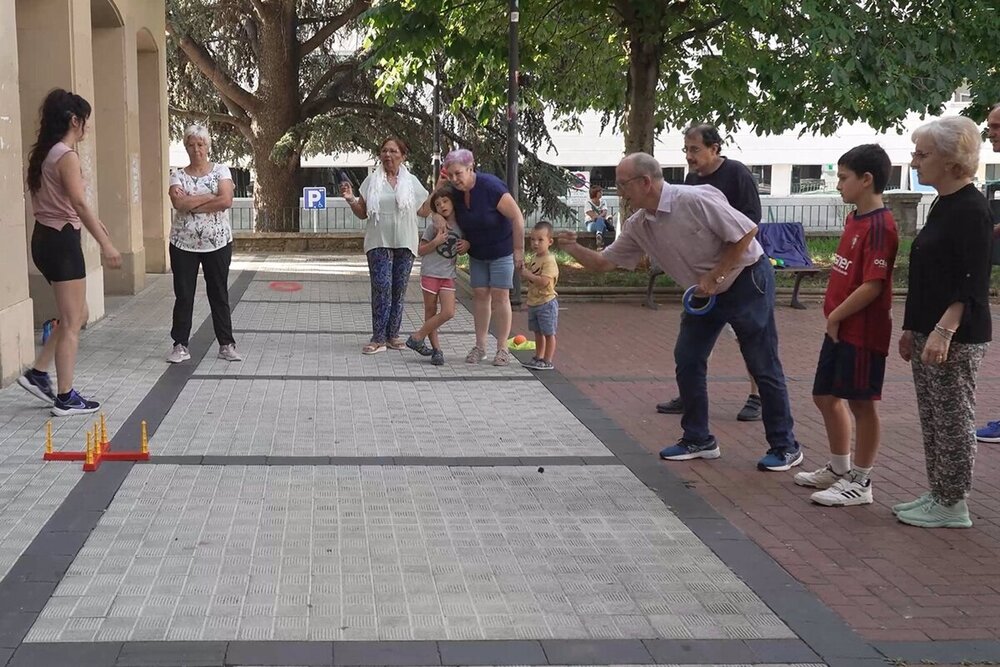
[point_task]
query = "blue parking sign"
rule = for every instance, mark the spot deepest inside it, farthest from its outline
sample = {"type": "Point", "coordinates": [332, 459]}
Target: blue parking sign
{"type": "Point", "coordinates": [313, 197]}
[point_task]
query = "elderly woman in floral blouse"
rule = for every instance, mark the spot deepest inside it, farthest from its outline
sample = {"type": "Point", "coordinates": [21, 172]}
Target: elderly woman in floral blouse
{"type": "Point", "coordinates": [200, 234]}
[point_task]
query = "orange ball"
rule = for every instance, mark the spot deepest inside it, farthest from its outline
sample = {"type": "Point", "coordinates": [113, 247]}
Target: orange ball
{"type": "Point", "coordinates": [520, 340]}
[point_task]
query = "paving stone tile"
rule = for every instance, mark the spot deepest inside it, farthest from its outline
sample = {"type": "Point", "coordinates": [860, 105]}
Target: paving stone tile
{"type": "Point", "coordinates": [78, 655]}
{"type": "Point", "coordinates": [155, 654]}
{"type": "Point", "coordinates": [280, 653]}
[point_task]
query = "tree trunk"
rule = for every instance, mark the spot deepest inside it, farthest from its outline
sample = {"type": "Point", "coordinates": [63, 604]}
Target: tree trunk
{"type": "Point", "coordinates": [275, 193]}
{"type": "Point", "coordinates": [277, 149]}
{"type": "Point", "coordinates": [643, 75]}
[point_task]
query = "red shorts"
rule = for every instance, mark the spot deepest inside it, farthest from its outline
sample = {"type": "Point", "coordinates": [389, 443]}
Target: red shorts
{"type": "Point", "coordinates": [435, 285]}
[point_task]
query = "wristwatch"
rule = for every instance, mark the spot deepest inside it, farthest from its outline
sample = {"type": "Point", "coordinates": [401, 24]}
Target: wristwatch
{"type": "Point", "coordinates": [720, 279]}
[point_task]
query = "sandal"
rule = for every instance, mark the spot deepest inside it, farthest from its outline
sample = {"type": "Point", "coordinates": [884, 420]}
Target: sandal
{"type": "Point", "coordinates": [373, 348]}
{"type": "Point", "coordinates": [396, 344]}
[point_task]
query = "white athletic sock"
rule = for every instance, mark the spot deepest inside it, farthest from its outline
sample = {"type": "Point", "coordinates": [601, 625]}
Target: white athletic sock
{"type": "Point", "coordinates": [860, 475]}
{"type": "Point", "coordinates": [841, 464]}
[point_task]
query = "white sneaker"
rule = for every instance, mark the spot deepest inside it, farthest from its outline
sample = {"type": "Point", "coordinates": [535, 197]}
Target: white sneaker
{"type": "Point", "coordinates": [823, 478]}
{"type": "Point", "coordinates": [178, 354]}
{"type": "Point", "coordinates": [229, 353]}
{"type": "Point", "coordinates": [843, 493]}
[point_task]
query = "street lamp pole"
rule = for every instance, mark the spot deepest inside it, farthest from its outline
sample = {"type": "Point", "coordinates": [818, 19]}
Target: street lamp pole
{"type": "Point", "coordinates": [436, 159]}
{"type": "Point", "coordinates": [512, 143]}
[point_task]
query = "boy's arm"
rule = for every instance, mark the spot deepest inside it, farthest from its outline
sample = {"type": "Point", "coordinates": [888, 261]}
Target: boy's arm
{"type": "Point", "coordinates": [858, 300]}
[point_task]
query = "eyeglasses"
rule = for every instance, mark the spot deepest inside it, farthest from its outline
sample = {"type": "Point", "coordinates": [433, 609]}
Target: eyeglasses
{"type": "Point", "coordinates": [621, 184]}
{"type": "Point", "coordinates": [691, 150]}
{"type": "Point", "coordinates": [919, 155]}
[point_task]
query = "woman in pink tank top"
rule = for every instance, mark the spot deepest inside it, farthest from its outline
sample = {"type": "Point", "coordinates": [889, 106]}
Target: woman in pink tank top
{"type": "Point", "coordinates": [58, 197]}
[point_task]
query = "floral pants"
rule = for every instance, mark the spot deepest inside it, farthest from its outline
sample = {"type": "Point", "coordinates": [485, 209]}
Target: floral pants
{"type": "Point", "coordinates": [946, 403]}
{"type": "Point", "coordinates": [389, 270]}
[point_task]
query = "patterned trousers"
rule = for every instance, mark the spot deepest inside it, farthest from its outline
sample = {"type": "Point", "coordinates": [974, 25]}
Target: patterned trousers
{"type": "Point", "coordinates": [389, 270]}
{"type": "Point", "coordinates": [946, 402]}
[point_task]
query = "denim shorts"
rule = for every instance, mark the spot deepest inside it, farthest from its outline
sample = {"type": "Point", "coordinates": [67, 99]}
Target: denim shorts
{"type": "Point", "coordinates": [544, 319]}
{"type": "Point", "coordinates": [496, 273]}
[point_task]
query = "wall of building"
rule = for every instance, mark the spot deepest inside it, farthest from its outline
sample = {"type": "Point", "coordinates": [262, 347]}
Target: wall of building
{"type": "Point", "coordinates": [63, 43]}
{"type": "Point", "coordinates": [16, 334]}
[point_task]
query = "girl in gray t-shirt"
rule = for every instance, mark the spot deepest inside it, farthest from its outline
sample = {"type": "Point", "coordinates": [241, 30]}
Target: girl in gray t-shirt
{"type": "Point", "coordinates": [439, 248]}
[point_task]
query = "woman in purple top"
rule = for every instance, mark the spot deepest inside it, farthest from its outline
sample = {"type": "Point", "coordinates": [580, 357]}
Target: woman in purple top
{"type": "Point", "coordinates": [493, 224]}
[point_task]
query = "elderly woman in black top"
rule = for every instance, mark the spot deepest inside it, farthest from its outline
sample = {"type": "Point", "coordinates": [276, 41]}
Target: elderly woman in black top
{"type": "Point", "coordinates": [946, 326]}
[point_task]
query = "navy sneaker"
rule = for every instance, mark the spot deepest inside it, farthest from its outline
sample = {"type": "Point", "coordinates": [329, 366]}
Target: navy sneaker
{"type": "Point", "coordinates": [419, 346]}
{"type": "Point", "coordinates": [779, 460]}
{"type": "Point", "coordinates": [437, 357]}
{"type": "Point", "coordinates": [37, 384]}
{"type": "Point", "coordinates": [989, 433]}
{"type": "Point", "coordinates": [75, 404]}
{"type": "Point", "coordinates": [685, 451]}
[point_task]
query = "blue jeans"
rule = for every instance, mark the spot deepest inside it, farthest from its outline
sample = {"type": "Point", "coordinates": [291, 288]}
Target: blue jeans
{"type": "Point", "coordinates": [597, 225]}
{"type": "Point", "coordinates": [749, 307]}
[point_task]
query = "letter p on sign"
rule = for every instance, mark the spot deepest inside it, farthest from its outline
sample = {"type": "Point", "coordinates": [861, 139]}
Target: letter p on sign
{"type": "Point", "coordinates": [313, 198]}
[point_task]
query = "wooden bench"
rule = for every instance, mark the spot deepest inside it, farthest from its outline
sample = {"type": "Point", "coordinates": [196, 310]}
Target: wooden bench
{"type": "Point", "coordinates": [799, 271]}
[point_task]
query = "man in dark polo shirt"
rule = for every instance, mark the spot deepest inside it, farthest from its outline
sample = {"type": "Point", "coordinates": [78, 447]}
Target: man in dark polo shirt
{"type": "Point", "coordinates": [991, 432]}
{"type": "Point", "coordinates": [707, 166]}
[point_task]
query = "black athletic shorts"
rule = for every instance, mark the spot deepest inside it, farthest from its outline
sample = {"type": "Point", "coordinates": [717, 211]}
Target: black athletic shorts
{"type": "Point", "coordinates": [848, 371]}
{"type": "Point", "coordinates": [57, 253]}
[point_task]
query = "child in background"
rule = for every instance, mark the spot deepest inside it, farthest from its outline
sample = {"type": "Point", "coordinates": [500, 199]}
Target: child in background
{"type": "Point", "coordinates": [440, 246]}
{"type": "Point", "coordinates": [542, 273]}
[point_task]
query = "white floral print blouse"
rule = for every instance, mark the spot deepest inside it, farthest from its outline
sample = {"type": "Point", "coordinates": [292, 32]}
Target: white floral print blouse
{"type": "Point", "coordinates": [200, 232]}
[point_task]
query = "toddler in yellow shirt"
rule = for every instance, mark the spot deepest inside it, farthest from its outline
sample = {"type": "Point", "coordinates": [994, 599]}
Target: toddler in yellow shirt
{"type": "Point", "coordinates": [541, 274]}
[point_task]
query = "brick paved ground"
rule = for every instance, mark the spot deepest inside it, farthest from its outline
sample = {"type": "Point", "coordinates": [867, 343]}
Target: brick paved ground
{"type": "Point", "coordinates": [887, 580]}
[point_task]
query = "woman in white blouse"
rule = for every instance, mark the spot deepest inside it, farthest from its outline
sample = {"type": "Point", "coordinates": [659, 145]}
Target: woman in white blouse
{"type": "Point", "coordinates": [200, 234]}
{"type": "Point", "coordinates": [391, 199]}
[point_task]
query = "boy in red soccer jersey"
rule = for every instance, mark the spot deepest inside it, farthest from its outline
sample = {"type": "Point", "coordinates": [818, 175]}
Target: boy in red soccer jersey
{"type": "Point", "coordinates": [858, 309]}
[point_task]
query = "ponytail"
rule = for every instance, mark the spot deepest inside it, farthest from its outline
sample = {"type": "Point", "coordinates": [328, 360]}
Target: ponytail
{"type": "Point", "coordinates": [57, 113]}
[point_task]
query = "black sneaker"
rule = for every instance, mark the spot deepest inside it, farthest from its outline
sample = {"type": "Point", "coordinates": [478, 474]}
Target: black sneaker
{"type": "Point", "coordinates": [671, 407]}
{"type": "Point", "coordinates": [751, 410]}
{"type": "Point", "coordinates": [37, 384]}
{"type": "Point", "coordinates": [75, 404]}
{"type": "Point", "coordinates": [685, 451]}
{"type": "Point", "coordinates": [542, 365]}
{"type": "Point", "coordinates": [419, 346]}
{"type": "Point", "coordinates": [437, 357]}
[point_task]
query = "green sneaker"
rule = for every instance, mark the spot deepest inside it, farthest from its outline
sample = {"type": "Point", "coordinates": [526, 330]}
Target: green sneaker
{"type": "Point", "coordinates": [937, 515]}
{"type": "Point", "coordinates": [902, 507]}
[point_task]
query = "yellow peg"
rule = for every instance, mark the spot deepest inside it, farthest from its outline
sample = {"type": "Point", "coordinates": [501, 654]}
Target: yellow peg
{"type": "Point", "coordinates": [48, 437]}
{"type": "Point", "coordinates": [90, 451]}
{"type": "Point", "coordinates": [144, 443]}
{"type": "Point", "coordinates": [104, 430]}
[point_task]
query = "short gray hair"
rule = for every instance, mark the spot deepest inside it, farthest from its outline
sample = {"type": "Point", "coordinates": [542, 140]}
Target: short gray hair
{"type": "Point", "coordinates": [199, 132]}
{"type": "Point", "coordinates": [644, 164]}
{"type": "Point", "coordinates": [462, 156]}
{"type": "Point", "coordinates": [957, 138]}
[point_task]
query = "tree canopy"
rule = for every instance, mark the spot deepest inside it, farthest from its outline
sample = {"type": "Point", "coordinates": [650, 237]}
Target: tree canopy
{"type": "Point", "coordinates": [773, 65]}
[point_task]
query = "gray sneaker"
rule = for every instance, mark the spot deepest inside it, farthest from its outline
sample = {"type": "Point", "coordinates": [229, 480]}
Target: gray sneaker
{"type": "Point", "coordinates": [419, 346]}
{"type": "Point", "coordinates": [178, 354]}
{"type": "Point", "coordinates": [542, 365]}
{"type": "Point", "coordinates": [229, 353]}
{"type": "Point", "coordinates": [437, 357]}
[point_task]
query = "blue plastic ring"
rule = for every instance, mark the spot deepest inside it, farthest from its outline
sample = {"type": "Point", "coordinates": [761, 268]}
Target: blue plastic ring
{"type": "Point", "coordinates": [689, 296]}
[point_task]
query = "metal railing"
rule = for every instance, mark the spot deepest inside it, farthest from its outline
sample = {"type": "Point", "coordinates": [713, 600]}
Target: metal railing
{"type": "Point", "coordinates": [815, 218]}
